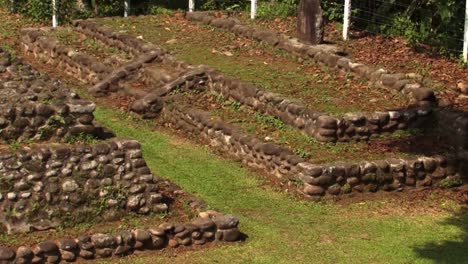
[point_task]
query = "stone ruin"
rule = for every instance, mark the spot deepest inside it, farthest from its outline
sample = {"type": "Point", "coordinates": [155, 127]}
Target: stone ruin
{"type": "Point", "coordinates": [47, 180]}
{"type": "Point", "coordinates": [163, 76]}
{"type": "Point", "coordinates": [156, 100]}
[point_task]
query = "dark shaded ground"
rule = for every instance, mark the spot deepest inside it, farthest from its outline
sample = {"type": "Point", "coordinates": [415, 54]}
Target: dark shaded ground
{"type": "Point", "coordinates": [450, 250]}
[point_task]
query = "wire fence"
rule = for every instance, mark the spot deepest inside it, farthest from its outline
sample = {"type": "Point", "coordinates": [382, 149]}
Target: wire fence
{"type": "Point", "coordinates": [439, 24]}
{"type": "Point", "coordinates": [443, 27]}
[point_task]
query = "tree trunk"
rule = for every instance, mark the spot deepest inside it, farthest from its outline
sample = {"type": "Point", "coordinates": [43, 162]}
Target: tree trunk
{"type": "Point", "coordinates": [310, 21]}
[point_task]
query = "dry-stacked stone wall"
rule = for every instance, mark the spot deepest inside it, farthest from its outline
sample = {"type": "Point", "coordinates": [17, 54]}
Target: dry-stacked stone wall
{"type": "Point", "coordinates": [211, 228]}
{"type": "Point", "coordinates": [147, 104]}
{"type": "Point", "coordinates": [127, 42]}
{"type": "Point", "coordinates": [312, 179]}
{"type": "Point", "coordinates": [40, 186]}
{"type": "Point", "coordinates": [307, 178]}
{"type": "Point", "coordinates": [407, 83]}
{"type": "Point", "coordinates": [323, 127]}
{"type": "Point", "coordinates": [33, 107]}
{"type": "Point", "coordinates": [48, 50]}
{"type": "Point", "coordinates": [111, 83]}
{"type": "Point", "coordinates": [48, 185]}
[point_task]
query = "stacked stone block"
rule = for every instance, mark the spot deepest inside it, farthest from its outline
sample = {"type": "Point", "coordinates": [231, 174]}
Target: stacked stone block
{"type": "Point", "coordinates": [42, 185]}
{"type": "Point", "coordinates": [76, 64]}
{"type": "Point", "coordinates": [33, 107]}
{"type": "Point", "coordinates": [314, 179]}
{"type": "Point", "coordinates": [97, 246]}
{"type": "Point", "coordinates": [409, 84]}
{"type": "Point", "coordinates": [323, 127]}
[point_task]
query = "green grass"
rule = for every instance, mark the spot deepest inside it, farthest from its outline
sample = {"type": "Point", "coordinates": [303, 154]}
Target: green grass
{"type": "Point", "coordinates": [270, 68]}
{"type": "Point", "coordinates": [272, 129]}
{"type": "Point", "coordinates": [110, 56]}
{"type": "Point", "coordinates": [9, 26]}
{"type": "Point", "coordinates": [282, 229]}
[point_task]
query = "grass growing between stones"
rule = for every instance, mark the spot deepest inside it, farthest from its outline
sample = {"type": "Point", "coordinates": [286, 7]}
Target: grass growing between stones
{"type": "Point", "coordinates": [110, 56]}
{"type": "Point", "coordinates": [272, 129]}
{"type": "Point", "coordinates": [282, 229]}
{"type": "Point", "coordinates": [9, 29]}
{"type": "Point", "coordinates": [270, 68]}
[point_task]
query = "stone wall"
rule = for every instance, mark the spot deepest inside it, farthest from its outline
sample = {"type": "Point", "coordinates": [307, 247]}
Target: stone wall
{"type": "Point", "coordinates": [323, 127]}
{"type": "Point", "coordinates": [49, 50]}
{"type": "Point", "coordinates": [48, 185]}
{"type": "Point", "coordinates": [127, 42]}
{"type": "Point", "coordinates": [112, 82]}
{"type": "Point", "coordinates": [312, 179]}
{"type": "Point", "coordinates": [40, 186]}
{"type": "Point", "coordinates": [409, 84]}
{"type": "Point", "coordinates": [211, 228]}
{"type": "Point", "coordinates": [33, 107]}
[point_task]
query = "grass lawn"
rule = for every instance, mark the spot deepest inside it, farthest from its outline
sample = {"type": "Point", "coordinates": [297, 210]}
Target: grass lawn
{"type": "Point", "coordinates": [282, 229]}
{"type": "Point", "coordinates": [322, 89]}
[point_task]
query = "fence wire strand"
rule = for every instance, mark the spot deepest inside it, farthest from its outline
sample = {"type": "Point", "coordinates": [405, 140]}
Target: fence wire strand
{"type": "Point", "coordinates": [369, 17]}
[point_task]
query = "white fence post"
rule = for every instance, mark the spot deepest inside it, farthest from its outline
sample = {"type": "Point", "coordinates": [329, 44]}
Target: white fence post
{"type": "Point", "coordinates": [253, 9]}
{"type": "Point", "coordinates": [346, 19]}
{"type": "Point", "coordinates": [465, 39]}
{"type": "Point", "coordinates": [54, 13]}
{"type": "Point", "coordinates": [126, 8]}
{"type": "Point", "coordinates": [191, 5]}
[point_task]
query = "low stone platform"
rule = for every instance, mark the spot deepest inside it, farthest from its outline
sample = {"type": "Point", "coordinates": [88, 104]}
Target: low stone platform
{"type": "Point", "coordinates": [56, 170]}
{"type": "Point", "coordinates": [213, 227]}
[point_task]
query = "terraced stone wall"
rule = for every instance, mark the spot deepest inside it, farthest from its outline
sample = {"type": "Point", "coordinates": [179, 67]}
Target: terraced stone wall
{"type": "Point", "coordinates": [32, 107]}
{"type": "Point", "coordinates": [313, 179]}
{"type": "Point", "coordinates": [44, 185]}
{"type": "Point", "coordinates": [127, 43]}
{"type": "Point", "coordinates": [40, 186]}
{"type": "Point", "coordinates": [78, 65]}
{"type": "Point", "coordinates": [323, 127]}
{"type": "Point", "coordinates": [409, 84]}
{"type": "Point", "coordinates": [310, 179]}
{"type": "Point", "coordinates": [211, 228]}
{"type": "Point", "coordinates": [451, 124]}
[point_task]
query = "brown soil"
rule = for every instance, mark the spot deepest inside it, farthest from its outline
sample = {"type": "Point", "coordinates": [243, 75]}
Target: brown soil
{"type": "Point", "coordinates": [410, 201]}
{"type": "Point", "coordinates": [318, 87]}
{"type": "Point", "coordinates": [391, 53]}
{"type": "Point", "coordinates": [111, 57]}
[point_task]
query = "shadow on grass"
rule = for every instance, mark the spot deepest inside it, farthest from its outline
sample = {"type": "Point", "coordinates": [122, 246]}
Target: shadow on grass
{"type": "Point", "coordinates": [450, 251]}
